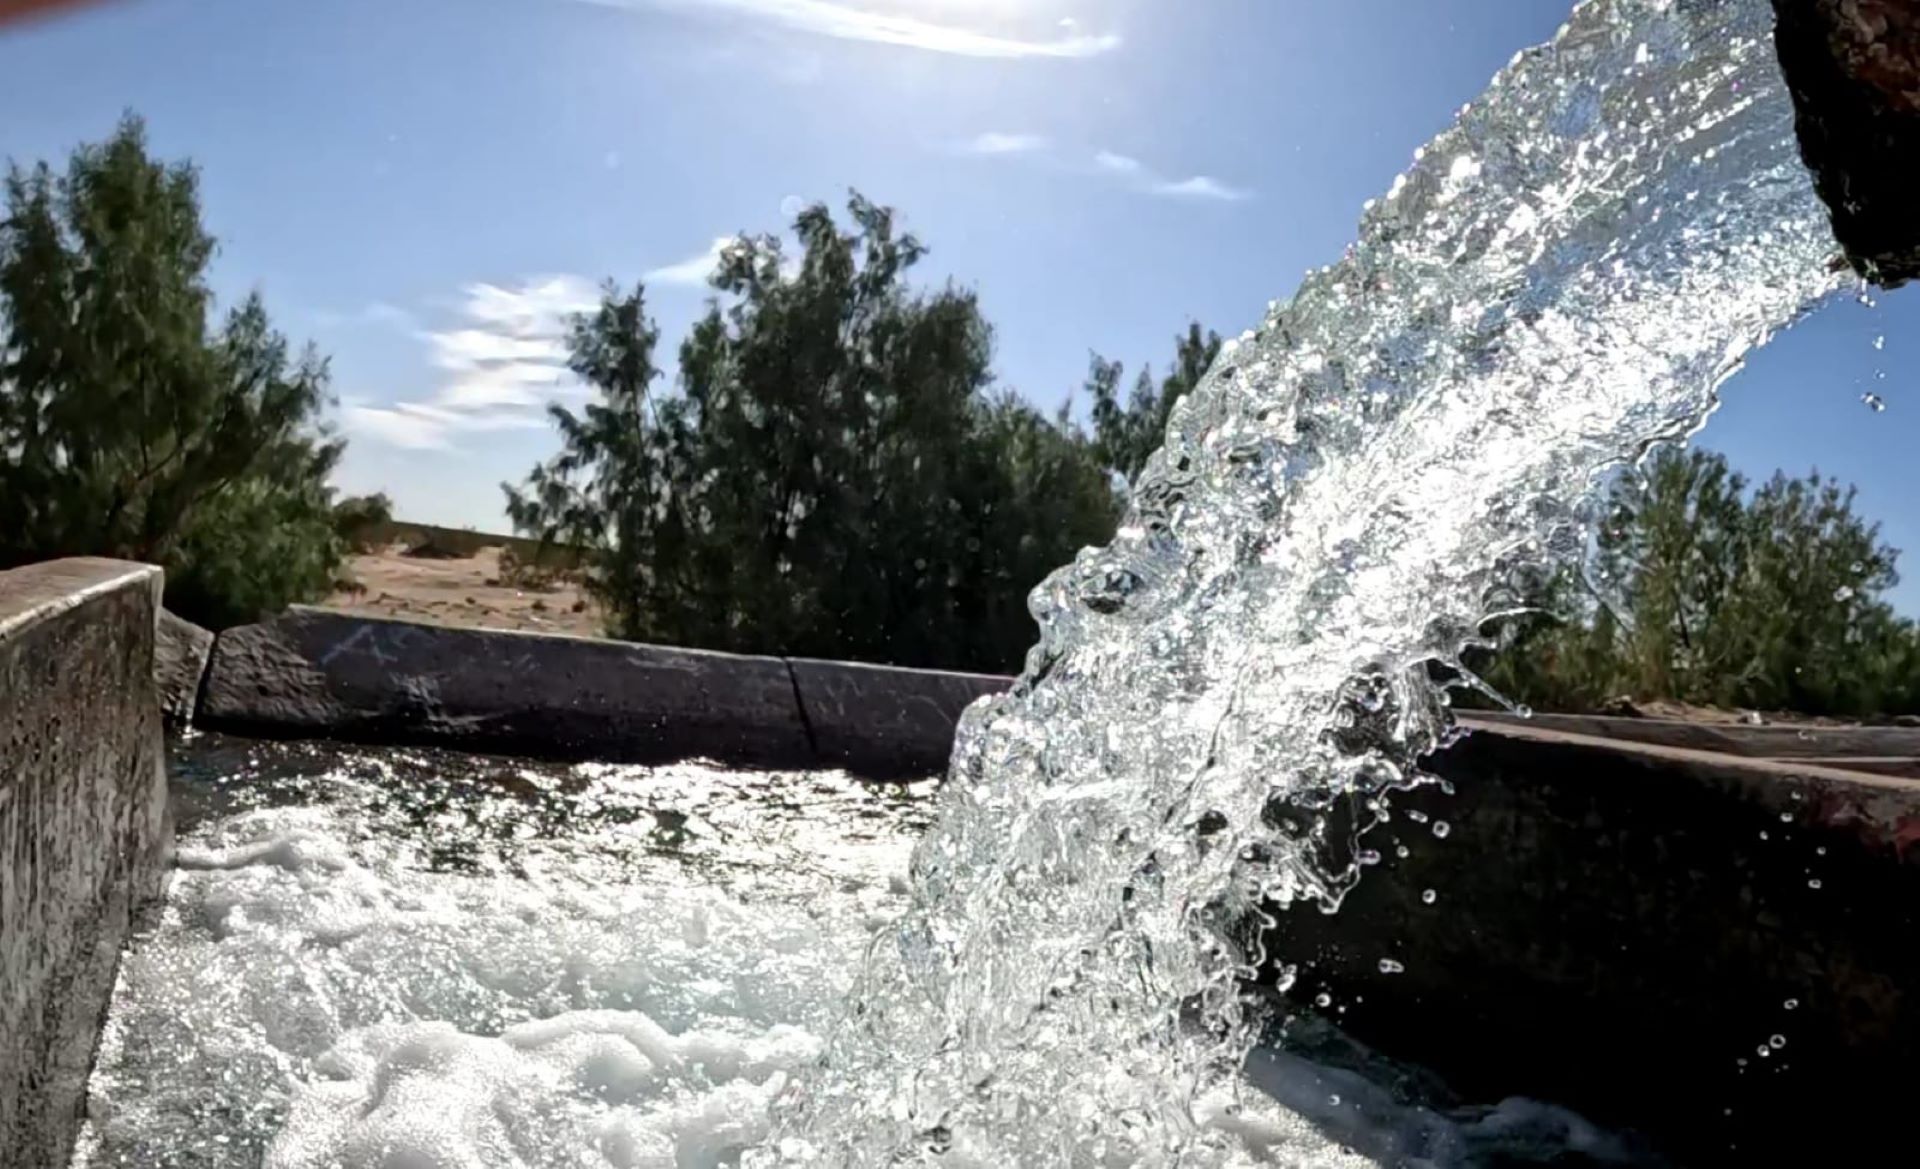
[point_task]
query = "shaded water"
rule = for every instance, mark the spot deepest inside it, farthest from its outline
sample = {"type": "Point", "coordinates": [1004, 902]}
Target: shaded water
{"type": "Point", "coordinates": [1223, 697]}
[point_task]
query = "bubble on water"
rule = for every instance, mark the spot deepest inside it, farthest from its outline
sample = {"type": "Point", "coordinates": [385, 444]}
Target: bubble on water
{"type": "Point", "coordinates": [1402, 851]}
{"type": "Point", "coordinates": [1786, 817]}
{"type": "Point", "coordinates": [1820, 850]}
{"type": "Point", "coordinates": [1323, 999]}
{"type": "Point", "coordinates": [1417, 816]}
{"type": "Point", "coordinates": [1776, 1041]}
{"type": "Point", "coordinates": [1334, 1099]}
{"type": "Point", "coordinates": [1389, 966]}
{"type": "Point", "coordinates": [1429, 896]}
{"type": "Point", "coordinates": [1874, 402]}
{"type": "Point", "coordinates": [1813, 883]}
{"type": "Point", "coordinates": [1764, 1051]}
{"type": "Point", "coordinates": [1791, 1004]}
{"type": "Point", "coordinates": [1879, 342]}
{"type": "Point", "coordinates": [1441, 828]}
{"type": "Point", "coordinates": [1763, 835]}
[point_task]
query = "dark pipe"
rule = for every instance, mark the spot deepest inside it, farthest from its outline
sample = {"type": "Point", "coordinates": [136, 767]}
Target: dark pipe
{"type": "Point", "coordinates": [1853, 67]}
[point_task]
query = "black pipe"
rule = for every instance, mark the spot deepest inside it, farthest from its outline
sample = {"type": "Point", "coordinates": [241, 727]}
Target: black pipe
{"type": "Point", "coordinates": [1853, 67]}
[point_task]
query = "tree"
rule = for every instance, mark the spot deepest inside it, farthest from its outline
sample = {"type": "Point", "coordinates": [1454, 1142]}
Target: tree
{"type": "Point", "coordinates": [359, 520]}
{"type": "Point", "coordinates": [832, 476]}
{"type": "Point", "coordinates": [131, 427]}
{"type": "Point", "coordinates": [1698, 590]}
{"type": "Point", "coordinates": [1125, 436]}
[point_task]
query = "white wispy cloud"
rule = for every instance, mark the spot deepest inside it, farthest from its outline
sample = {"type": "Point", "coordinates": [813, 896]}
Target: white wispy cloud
{"type": "Point", "coordinates": [693, 271]}
{"type": "Point", "coordinates": [1201, 187]}
{"type": "Point", "coordinates": [503, 360]}
{"type": "Point", "coordinates": [846, 21]}
{"type": "Point", "coordinates": [1123, 168]}
{"type": "Point", "coordinates": [996, 142]}
{"type": "Point", "coordinates": [1149, 181]}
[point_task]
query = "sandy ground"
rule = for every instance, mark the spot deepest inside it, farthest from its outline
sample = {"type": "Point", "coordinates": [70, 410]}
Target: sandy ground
{"type": "Point", "coordinates": [465, 591]}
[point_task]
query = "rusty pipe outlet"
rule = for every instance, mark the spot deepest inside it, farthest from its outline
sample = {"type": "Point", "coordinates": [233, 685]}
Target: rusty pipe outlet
{"type": "Point", "coordinates": [1853, 67]}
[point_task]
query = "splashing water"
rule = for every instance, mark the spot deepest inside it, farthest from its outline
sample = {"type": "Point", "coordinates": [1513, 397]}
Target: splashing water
{"type": "Point", "coordinates": [1223, 697]}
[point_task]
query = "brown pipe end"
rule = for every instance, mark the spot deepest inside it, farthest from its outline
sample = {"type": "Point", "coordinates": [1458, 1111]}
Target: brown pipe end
{"type": "Point", "coordinates": [1853, 67]}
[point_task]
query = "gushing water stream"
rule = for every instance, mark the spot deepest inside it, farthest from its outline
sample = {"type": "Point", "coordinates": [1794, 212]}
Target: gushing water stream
{"type": "Point", "coordinates": [1561, 280]}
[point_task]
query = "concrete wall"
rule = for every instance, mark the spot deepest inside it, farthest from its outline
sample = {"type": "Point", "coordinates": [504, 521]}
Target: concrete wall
{"type": "Point", "coordinates": [84, 830]}
{"type": "Point", "coordinates": [319, 673]}
{"type": "Point", "coordinates": [1616, 927]}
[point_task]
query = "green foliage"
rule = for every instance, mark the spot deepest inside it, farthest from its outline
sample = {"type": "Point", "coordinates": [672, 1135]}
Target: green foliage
{"type": "Point", "coordinates": [359, 519]}
{"type": "Point", "coordinates": [131, 427]}
{"type": "Point", "coordinates": [1125, 436]}
{"type": "Point", "coordinates": [1700, 591]}
{"type": "Point", "coordinates": [832, 477]}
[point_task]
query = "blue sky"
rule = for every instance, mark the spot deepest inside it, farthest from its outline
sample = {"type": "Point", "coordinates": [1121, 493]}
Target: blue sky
{"type": "Point", "coordinates": [420, 186]}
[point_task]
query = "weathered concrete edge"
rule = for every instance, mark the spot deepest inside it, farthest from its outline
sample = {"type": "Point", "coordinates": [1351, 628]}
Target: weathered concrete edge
{"type": "Point", "coordinates": [80, 730]}
{"type": "Point", "coordinates": [106, 576]}
{"type": "Point", "coordinates": [876, 720]}
{"type": "Point", "coordinates": [307, 673]}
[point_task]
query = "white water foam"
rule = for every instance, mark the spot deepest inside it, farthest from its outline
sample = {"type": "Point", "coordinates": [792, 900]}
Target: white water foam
{"type": "Point", "coordinates": [321, 992]}
{"type": "Point", "coordinates": [393, 971]}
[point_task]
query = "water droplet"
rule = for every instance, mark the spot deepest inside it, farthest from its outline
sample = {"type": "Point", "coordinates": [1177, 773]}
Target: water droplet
{"type": "Point", "coordinates": [1843, 593]}
{"type": "Point", "coordinates": [1389, 966]}
{"type": "Point", "coordinates": [1334, 1099]}
{"type": "Point", "coordinates": [1763, 1051]}
{"type": "Point", "coordinates": [1874, 402]}
{"type": "Point", "coordinates": [1441, 828]}
{"type": "Point", "coordinates": [1403, 852]}
{"type": "Point", "coordinates": [1813, 883]}
{"type": "Point", "coordinates": [1523, 710]}
{"type": "Point", "coordinates": [1776, 1041]}
{"type": "Point", "coordinates": [1820, 851]}
{"type": "Point", "coordinates": [1879, 342]}
{"type": "Point", "coordinates": [1791, 1004]}
{"type": "Point", "coordinates": [1429, 896]}
{"type": "Point", "coordinates": [1763, 834]}
{"type": "Point", "coordinates": [1786, 817]}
